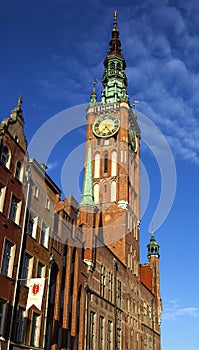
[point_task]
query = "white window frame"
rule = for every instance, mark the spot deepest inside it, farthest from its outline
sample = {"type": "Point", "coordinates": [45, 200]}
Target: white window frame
{"type": "Point", "coordinates": [10, 257]}
{"type": "Point", "coordinates": [47, 203]}
{"type": "Point", "coordinates": [36, 192]}
{"type": "Point", "coordinates": [44, 236]}
{"type": "Point", "coordinates": [2, 196]}
{"type": "Point", "coordinates": [19, 173]}
{"type": "Point", "coordinates": [7, 155]}
{"type": "Point", "coordinates": [17, 203]}
{"type": "Point", "coordinates": [33, 219]}
{"type": "Point", "coordinates": [43, 269]}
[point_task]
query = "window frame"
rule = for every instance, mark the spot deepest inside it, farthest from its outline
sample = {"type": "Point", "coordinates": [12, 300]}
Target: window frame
{"type": "Point", "coordinates": [15, 209]}
{"type": "Point", "coordinates": [4, 304]}
{"type": "Point", "coordinates": [2, 197]}
{"type": "Point", "coordinates": [26, 273]}
{"type": "Point", "coordinates": [8, 260]}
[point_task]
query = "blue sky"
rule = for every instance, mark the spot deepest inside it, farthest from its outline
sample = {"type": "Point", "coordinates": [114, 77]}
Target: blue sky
{"type": "Point", "coordinates": [50, 53]}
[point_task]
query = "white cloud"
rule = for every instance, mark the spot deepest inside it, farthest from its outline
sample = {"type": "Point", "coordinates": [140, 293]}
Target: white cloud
{"type": "Point", "coordinates": [173, 311]}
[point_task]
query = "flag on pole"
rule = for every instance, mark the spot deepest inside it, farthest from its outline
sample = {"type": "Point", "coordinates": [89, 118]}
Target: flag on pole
{"type": "Point", "coordinates": [36, 291]}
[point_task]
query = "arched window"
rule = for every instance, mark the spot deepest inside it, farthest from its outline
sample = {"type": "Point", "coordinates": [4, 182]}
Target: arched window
{"type": "Point", "coordinates": [97, 165]}
{"type": "Point", "coordinates": [96, 193]}
{"type": "Point", "coordinates": [5, 156]}
{"type": "Point", "coordinates": [106, 163]}
{"type": "Point", "coordinates": [114, 163]}
{"type": "Point", "coordinates": [18, 171]}
{"type": "Point", "coordinates": [113, 191]}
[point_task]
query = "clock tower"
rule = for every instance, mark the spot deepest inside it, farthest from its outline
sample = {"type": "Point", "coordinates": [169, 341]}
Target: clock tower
{"type": "Point", "coordinates": [114, 135]}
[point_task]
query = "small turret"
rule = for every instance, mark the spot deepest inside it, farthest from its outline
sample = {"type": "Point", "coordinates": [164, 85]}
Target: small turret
{"type": "Point", "coordinates": [153, 247]}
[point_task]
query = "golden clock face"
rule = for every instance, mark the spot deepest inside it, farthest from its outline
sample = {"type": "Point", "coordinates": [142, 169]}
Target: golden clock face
{"type": "Point", "coordinates": [106, 125]}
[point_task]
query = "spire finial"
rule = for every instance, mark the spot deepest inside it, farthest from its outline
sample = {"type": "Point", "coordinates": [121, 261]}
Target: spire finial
{"type": "Point", "coordinates": [115, 17]}
{"type": "Point", "coordinates": [93, 98]}
{"type": "Point", "coordinates": [19, 103]}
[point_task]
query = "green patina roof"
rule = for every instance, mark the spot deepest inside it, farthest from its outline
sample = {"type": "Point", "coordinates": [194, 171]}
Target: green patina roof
{"type": "Point", "coordinates": [153, 246]}
{"type": "Point", "coordinates": [114, 79]}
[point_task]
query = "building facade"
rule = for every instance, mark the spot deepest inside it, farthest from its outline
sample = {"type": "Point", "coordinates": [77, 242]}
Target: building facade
{"type": "Point", "coordinates": [83, 257]}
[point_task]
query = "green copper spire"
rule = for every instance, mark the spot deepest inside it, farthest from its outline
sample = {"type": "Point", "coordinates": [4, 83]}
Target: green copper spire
{"type": "Point", "coordinates": [114, 79]}
{"type": "Point", "coordinates": [153, 247]}
{"type": "Point", "coordinates": [87, 193]}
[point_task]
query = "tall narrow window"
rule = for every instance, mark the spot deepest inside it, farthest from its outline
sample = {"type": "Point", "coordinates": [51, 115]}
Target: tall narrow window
{"type": "Point", "coordinates": [20, 326]}
{"type": "Point", "coordinates": [5, 156]}
{"type": "Point", "coordinates": [110, 287]}
{"type": "Point", "coordinates": [96, 193]}
{"type": "Point", "coordinates": [15, 209]}
{"type": "Point", "coordinates": [113, 191]}
{"type": "Point", "coordinates": [32, 225]}
{"type": "Point", "coordinates": [97, 166]}
{"type": "Point", "coordinates": [2, 196]}
{"type": "Point", "coordinates": [35, 331]}
{"type": "Point", "coordinates": [106, 163]}
{"type": "Point", "coordinates": [3, 305]}
{"type": "Point", "coordinates": [102, 281]}
{"type": "Point", "coordinates": [92, 331]}
{"type": "Point", "coordinates": [18, 171]}
{"type": "Point", "coordinates": [119, 293]}
{"type": "Point", "coordinates": [8, 258]}
{"type": "Point", "coordinates": [114, 163]}
{"type": "Point", "coordinates": [41, 270]}
{"type": "Point", "coordinates": [44, 235]}
{"type": "Point", "coordinates": [110, 335]}
{"type": "Point", "coordinates": [101, 343]}
{"type": "Point", "coordinates": [27, 269]}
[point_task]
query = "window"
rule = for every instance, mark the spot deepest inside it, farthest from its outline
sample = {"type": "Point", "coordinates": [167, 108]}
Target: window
{"type": "Point", "coordinates": [20, 325]}
{"type": "Point", "coordinates": [110, 287]}
{"type": "Point", "coordinates": [101, 333]}
{"type": "Point", "coordinates": [15, 209]}
{"type": "Point", "coordinates": [41, 270]}
{"type": "Point", "coordinates": [36, 192]}
{"type": "Point", "coordinates": [96, 193]}
{"type": "Point", "coordinates": [97, 166]}
{"type": "Point", "coordinates": [18, 171]}
{"type": "Point", "coordinates": [102, 281]}
{"type": "Point", "coordinates": [32, 225]}
{"type": "Point", "coordinates": [47, 204]}
{"type": "Point", "coordinates": [27, 269]}
{"type": "Point", "coordinates": [113, 191]}
{"type": "Point", "coordinates": [114, 163]}
{"type": "Point", "coordinates": [35, 331]}
{"type": "Point", "coordinates": [92, 331]}
{"type": "Point", "coordinates": [8, 258]}
{"type": "Point", "coordinates": [110, 335]}
{"type": "Point", "coordinates": [3, 305]}
{"type": "Point", "coordinates": [5, 159]}
{"type": "Point", "coordinates": [2, 196]}
{"type": "Point", "coordinates": [119, 293]}
{"type": "Point", "coordinates": [44, 235]}
{"type": "Point", "coordinates": [118, 346]}
{"type": "Point", "coordinates": [106, 163]}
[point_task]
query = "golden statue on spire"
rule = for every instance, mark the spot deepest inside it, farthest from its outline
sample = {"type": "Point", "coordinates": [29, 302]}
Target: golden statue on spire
{"type": "Point", "coordinates": [115, 15]}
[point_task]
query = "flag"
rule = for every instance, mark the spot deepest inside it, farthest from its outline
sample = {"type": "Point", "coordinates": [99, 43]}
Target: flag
{"type": "Point", "coordinates": [36, 291]}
